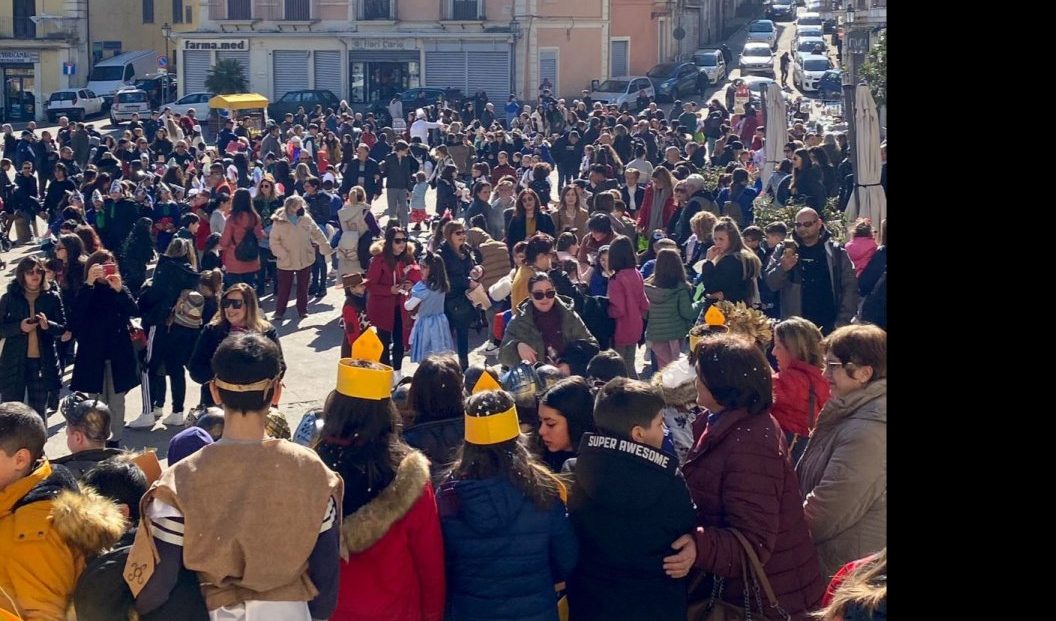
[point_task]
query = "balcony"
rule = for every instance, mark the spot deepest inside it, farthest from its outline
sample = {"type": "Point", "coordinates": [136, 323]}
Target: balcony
{"type": "Point", "coordinates": [378, 10]}
{"type": "Point", "coordinates": [466, 10]}
{"type": "Point", "coordinates": [60, 28]}
{"type": "Point", "coordinates": [231, 10]}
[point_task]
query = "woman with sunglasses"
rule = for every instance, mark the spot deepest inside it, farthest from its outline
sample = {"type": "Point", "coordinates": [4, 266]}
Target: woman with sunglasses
{"type": "Point", "coordinates": [390, 276]}
{"type": "Point", "coordinates": [544, 327]}
{"type": "Point", "coordinates": [105, 365]}
{"type": "Point", "coordinates": [31, 323]}
{"type": "Point", "coordinates": [293, 240]}
{"type": "Point", "coordinates": [463, 273]}
{"type": "Point", "coordinates": [528, 219]}
{"type": "Point", "coordinates": [266, 201]}
{"type": "Point", "coordinates": [239, 312]}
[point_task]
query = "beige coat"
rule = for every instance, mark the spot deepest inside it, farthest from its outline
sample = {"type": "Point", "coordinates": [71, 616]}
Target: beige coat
{"type": "Point", "coordinates": [292, 243]}
{"type": "Point", "coordinates": [843, 475]}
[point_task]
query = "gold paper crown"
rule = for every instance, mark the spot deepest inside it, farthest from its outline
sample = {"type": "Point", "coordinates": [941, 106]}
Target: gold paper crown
{"type": "Point", "coordinates": [713, 318]}
{"type": "Point", "coordinates": [365, 382]}
{"type": "Point", "coordinates": [494, 428]}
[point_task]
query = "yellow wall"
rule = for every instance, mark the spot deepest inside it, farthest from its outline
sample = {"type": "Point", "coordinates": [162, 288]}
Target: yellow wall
{"type": "Point", "coordinates": [564, 8]}
{"type": "Point", "coordinates": [579, 57]}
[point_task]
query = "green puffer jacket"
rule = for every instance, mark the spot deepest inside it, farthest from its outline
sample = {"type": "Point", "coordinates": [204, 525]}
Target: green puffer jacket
{"type": "Point", "coordinates": [521, 329]}
{"type": "Point", "coordinates": [671, 313]}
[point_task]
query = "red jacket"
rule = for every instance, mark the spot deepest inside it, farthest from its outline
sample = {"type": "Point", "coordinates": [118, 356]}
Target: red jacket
{"type": "Point", "coordinates": [740, 476]}
{"type": "Point", "coordinates": [234, 231]}
{"type": "Point", "coordinates": [647, 208]}
{"type": "Point", "coordinates": [627, 305]}
{"type": "Point", "coordinates": [395, 566]}
{"type": "Point", "coordinates": [204, 229]}
{"type": "Point", "coordinates": [381, 301]}
{"type": "Point", "coordinates": [748, 128]}
{"type": "Point", "coordinates": [792, 397]}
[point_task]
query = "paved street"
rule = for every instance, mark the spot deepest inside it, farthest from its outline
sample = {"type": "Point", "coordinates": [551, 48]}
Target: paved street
{"type": "Point", "coordinates": [311, 346]}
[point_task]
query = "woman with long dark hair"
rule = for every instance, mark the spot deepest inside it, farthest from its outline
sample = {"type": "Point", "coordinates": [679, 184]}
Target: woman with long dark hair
{"type": "Point", "coordinates": [243, 220]}
{"type": "Point", "coordinates": [807, 184]}
{"type": "Point", "coordinates": [497, 481]}
{"type": "Point", "coordinates": [528, 219]}
{"type": "Point", "coordinates": [462, 274]}
{"type": "Point", "coordinates": [437, 409]}
{"type": "Point", "coordinates": [730, 269]}
{"type": "Point", "coordinates": [446, 190]}
{"type": "Point", "coordinates": [390, 276]}
{"type": "Point", "coordinates": [566, 412]}
{"type": "Point", "coordinates": [283, 178]}
{"type": "Point", "coordinates": [31, 323]}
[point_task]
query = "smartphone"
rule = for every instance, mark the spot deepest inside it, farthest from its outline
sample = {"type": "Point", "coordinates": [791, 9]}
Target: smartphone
{"type": "Point", "coordinates": [109, 269]}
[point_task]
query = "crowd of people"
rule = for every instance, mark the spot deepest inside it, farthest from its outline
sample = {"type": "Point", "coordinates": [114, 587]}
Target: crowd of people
{"type": "Point", "coordinates": [746, 470]}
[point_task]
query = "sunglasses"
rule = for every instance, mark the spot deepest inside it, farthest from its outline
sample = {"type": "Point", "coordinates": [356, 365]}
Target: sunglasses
{"type": "Point", "coordinates": [803, 225]}
{"type": "Point", "coordinates": [235, 304]}
{"type": "Point", "coordinates": [549, 294]}
{"type": "Point", "coordinates": [399, 240]}
{"type": "Point", "coordinates": [37, 271]}
{"type": "Point", "coordinates": [459, 233]}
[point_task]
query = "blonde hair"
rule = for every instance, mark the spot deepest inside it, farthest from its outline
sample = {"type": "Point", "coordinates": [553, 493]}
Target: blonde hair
{"type": "Point", "coordinates": [254, 320]}
{"type": "Point", "coordinates": [802, 339]}
{"type": "Point", "coordinates": [865, 586]}
{"type": "Point", "coordinates": [179, 247]}
{"type": "Point", "coordinates": [357, 195]}
{"type": "Point", "coordinates": [293, 204]}
{"type": "Point", "coordinates": [702, 223]}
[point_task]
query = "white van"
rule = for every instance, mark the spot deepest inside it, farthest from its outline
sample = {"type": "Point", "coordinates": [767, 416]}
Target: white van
{"type": "Point", "coordinates": [109, 76]}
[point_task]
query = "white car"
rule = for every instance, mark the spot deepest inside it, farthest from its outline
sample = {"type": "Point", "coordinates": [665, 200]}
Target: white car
{"type": "Point", "coordinates": [809, 31]}
{"type": "Point", "coordinates": [198, 101]}
{"type": "Point", "coordinates": [623, 92]}
{"type": "Point", "coordinates": [757, 58]}
{"type": "Point", "coordinates": [711, 64]}
{"type": "Point", "coordinates": [807, 46]}
{"type": "Point", "coordinates": [808, 19]}
{"type": "Point", "coordinates": [763, 30]}
{"type": "Point", "coordinates": [74, 103]}
{"type": "Point", "coordinates": [127, 102]}
{"type": "Point", "coordinates": [809, 70]}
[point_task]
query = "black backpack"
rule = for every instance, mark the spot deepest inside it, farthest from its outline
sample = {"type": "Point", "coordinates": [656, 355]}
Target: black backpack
{"type": "Point", "coordinates": [248, 249]}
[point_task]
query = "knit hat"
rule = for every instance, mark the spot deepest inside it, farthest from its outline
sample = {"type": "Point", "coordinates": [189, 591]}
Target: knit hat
{"type": "Point", "coordinates": [187, 443]}
{"type": "Point", "coordinates": [188, 311]}
{"type": "Point", "coordinates": [491, 428]}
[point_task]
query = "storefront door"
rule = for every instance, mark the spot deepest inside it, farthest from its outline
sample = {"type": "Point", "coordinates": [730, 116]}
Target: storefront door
{"type": "Point", "coordinates": [380, 81]}
{"type": "Point", "coordinates": [19, 102]}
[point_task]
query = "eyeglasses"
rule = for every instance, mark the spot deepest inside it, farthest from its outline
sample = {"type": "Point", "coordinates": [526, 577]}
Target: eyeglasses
{"type": "Point", "coordinates": [549, 294]}
{"type": "Point", "coordinates": [399, 240]}
{"type": "Point", "coordinates": [803, 225]}
{"type": "Point", "coordinates": [231, 303]}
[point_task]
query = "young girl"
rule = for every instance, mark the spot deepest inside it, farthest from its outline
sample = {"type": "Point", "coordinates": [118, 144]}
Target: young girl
{"type": "Point", "coordinates": [500, 498]}
{"type": "Point", "coordinates": [137, 252]}
{"type": "Point", "coordinates": [862, 248]}
{"type": "Point", "coordinates": [431, 333]}
{"type": "Point", "coordinates": [597, 276]}
{"type": "Point", "coordinates": [627, 302]}
{"type": "Point", "coordinates": [671, 312]}
{"type": "Point", "coordinates": [353, 313]}
{"type": "Point", "coordinates": [352, 217]}
{"type": "Point", "coordinates": [211, 252]}
{"type": "Point", "coordinates": [390, 535]}
{"type": "Point", "coordinates": [418, 214]}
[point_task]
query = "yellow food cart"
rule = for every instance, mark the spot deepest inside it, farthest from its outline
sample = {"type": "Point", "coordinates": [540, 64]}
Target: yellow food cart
{"type": "Point", "coordinates": [251, 106]}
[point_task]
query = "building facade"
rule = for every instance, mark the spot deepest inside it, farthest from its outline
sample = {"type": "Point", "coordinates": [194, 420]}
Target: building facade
{"type": "Point", "coordinates": [119, 26]}
{"type": "Point", "coordinates": [42, 49]}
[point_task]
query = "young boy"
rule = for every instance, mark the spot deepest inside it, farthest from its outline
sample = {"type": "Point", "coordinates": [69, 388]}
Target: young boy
{"type": "Point", "coordinates": [628, 504]}
{"type": "Point", "coordinates": [47, 527]}
{"type": "Point", "coordinates": [258, 519]}
{"type": "Point", "coordinates": [776, 232]}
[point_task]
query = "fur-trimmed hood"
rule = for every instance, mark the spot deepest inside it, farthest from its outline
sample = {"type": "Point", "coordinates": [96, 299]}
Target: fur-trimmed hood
{"type": "Point", "coordinates": [368, 524]}
{"type": "Point", "coordinates": [676, 382]}
{"type": "Point", "coordinates": [377, 246]}
{"type": "Point", "coordinates": [86, 521]}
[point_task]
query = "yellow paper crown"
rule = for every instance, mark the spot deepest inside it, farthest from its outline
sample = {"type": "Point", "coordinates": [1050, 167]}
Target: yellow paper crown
{"type": "Point", "coordinates": [362, 382]}
{"type": "Point", "coordinates": [485, 383]}
{"type": "Point", "coordinates": [493, 429]}
{"type": "Point", "coordinates": [714, 317]}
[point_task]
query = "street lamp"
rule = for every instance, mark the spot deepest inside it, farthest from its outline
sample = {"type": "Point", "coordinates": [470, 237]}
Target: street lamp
{"type": "Point", "coordinates": [166, 32]}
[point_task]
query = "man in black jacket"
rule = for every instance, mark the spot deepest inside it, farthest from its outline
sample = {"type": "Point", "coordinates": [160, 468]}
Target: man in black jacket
{"type": "Point", "coordinates": [320, 206]}
{"type": "Point", "coordinates": [364, 172]}
{"type": "Point", "coordinates": [399, 168]}
{"type": "Point", "coordinates": [567, 151]}
{"type": "Point", "coordinates": [629, 502]}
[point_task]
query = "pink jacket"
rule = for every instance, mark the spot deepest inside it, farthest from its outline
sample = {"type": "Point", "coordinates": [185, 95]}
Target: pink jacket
{"type": "Point", "coordinates": [627, 305]}
{"type": "Point", "coordinates": [235, 229]}
{"type": "Point", "coordinates": [861, 250]}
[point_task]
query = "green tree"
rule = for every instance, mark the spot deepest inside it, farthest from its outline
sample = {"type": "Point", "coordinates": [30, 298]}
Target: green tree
{"type": "Point", "coordinates": [874, 70]}
{"type": "Point", "coordinates": [226, 77]}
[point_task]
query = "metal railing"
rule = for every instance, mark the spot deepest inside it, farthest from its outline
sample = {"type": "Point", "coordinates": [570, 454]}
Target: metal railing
{"type": "Point", "coordinates": [24, 28]}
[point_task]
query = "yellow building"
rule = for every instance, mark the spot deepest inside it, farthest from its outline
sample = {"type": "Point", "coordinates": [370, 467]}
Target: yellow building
{"type": "Point", "coordinates": [119, 26]}
{"type": "Point", "coordinates": [42, 49]}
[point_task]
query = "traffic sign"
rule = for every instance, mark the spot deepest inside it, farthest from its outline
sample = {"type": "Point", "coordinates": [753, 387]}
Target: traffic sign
{"type": "Point", "coordinates": [679, 34]}
{"type": "Point", "coordinates": [163, 61]}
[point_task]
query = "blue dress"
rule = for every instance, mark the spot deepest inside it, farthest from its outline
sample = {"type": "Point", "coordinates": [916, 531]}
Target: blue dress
{"type": "Point", "coordinates": [431, 333]}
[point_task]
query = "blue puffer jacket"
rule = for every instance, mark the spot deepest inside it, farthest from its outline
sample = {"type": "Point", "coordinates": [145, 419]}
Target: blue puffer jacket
{"type": "Point", "coordinates": [504, 555]}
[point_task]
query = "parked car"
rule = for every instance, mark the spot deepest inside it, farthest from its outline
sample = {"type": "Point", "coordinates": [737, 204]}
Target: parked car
{"type": "Point", "coordinates": [672, 80]}
{"type": "Point", "coordinates": [782, 9]}
{"type": "Point", "coordinates": [198, 101]}
{"type": "Point", "coordinates": [307, 99]}
{"type": "Point", "coordinates": [808, 19]}
{"type": "Point", "coordinates": [74, 103]}
{"type": "Point", "coordinates": [809, 31]}
{"type": "Point", "coordinates": [757, 57]}
{"type": "Point", "coordinates": [712, 65]}
{"type": "Point", "coordinates": [809, 45]}
{"type": "Point", "coordinates": [830, 86]}
{"type": "Point", "coordinates": [623, 92]}
{"type": "Point", "coordinates": [417, 98]}
{"type": "Point", "coordinates": [763, 30]}
{"type": "Point", "coordinates": [128, 101]}
{"type": "Point", "coordinates": [160, 88]}
{"type": "Point", "coordinates": [808, 70]}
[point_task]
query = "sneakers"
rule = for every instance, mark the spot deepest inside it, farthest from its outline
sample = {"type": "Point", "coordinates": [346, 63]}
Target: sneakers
{"type": "Point", "coordinates": [145, 421]}
{"type": "Point", "coordinates": [176, 419]}
{"type": "Point", "coordinates": [492, 349]}
{"type": "Point", "coordinates": [157, 411]}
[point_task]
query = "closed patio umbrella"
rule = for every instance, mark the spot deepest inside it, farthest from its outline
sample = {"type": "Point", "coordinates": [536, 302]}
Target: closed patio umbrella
{"type": "Point", "coordinates": [776, 129]}
{"type": "Point", "coordinates": [869, 200]}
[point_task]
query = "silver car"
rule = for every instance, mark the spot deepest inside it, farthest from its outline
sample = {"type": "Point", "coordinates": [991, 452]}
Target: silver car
{"type": "Point", "coordinates": [757, 58]}
{"type": "Point", "coordinates": [763, 30]}
{"type": "Point", "coordinates": [711, 64]}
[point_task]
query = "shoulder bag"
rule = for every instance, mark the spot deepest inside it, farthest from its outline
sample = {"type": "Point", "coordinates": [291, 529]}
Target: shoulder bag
{"type": "Point", "coordinates": [755, 584]}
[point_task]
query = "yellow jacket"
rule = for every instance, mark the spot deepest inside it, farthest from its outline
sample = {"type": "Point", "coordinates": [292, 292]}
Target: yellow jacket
{"type": "Point", "coordinates": [47, 527]}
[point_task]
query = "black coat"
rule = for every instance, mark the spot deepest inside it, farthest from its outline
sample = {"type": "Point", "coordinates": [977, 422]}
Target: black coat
{"type": "Point", "coordinates": [99, 321]}
{"type": "Point", "coordinates": [370, 172]}
{"type": "Point", "coordinates": [628, 503]}
{"type": "Point", "coordinates": [118, 220]}
{"type": "Point", "coordinates": [13, 309]}
{"type": "Point", "coordinates": [399, 175]}
{"type": "Point", "coordinates": [200, 365]}
{"type": "Point", "coordinates": [440, 441]}
{"type": "Point", "coordinates": [639, 196]}
{"type": "Point", "coordinates": [728, 277]}
{"type": "Point", "coordinates": [516, 231]}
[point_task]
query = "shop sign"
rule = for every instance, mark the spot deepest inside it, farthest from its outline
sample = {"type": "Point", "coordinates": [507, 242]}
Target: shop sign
{"type": "Point", "coordinates": [19, 56]}
{"type": "Point", "coordinates": [381, 44]}
{"type": "Point", "coordinates": [220, 45]}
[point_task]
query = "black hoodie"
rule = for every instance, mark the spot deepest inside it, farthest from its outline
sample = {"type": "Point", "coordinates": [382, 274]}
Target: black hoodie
{"type": "Point", "coordinates": [628, 504]}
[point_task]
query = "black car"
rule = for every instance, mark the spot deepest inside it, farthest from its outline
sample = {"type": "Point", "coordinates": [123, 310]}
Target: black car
{"type": "Point", "coordinates": [673, 80]}
{"type": "Point", "coordinates": [160, 88]}
{"type": "Point", "coordinates": [307, 99]}
{"type": "Point", "coordinates": [782, 10]}
{"type": "Point", "coordinates": [417, 98]}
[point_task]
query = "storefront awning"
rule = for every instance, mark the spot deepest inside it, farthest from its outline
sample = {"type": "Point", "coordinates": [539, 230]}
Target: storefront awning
{"type": "Point", "coordinates": [239, 101]}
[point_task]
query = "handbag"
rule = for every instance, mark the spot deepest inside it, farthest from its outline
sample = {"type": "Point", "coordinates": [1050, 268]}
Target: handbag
{"type": "Point", "coordinates": [459, 310]}
{"type": "Point", "coordinates": [138, 338]}
{"type": "Point", "coordinates": [755, 584]}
